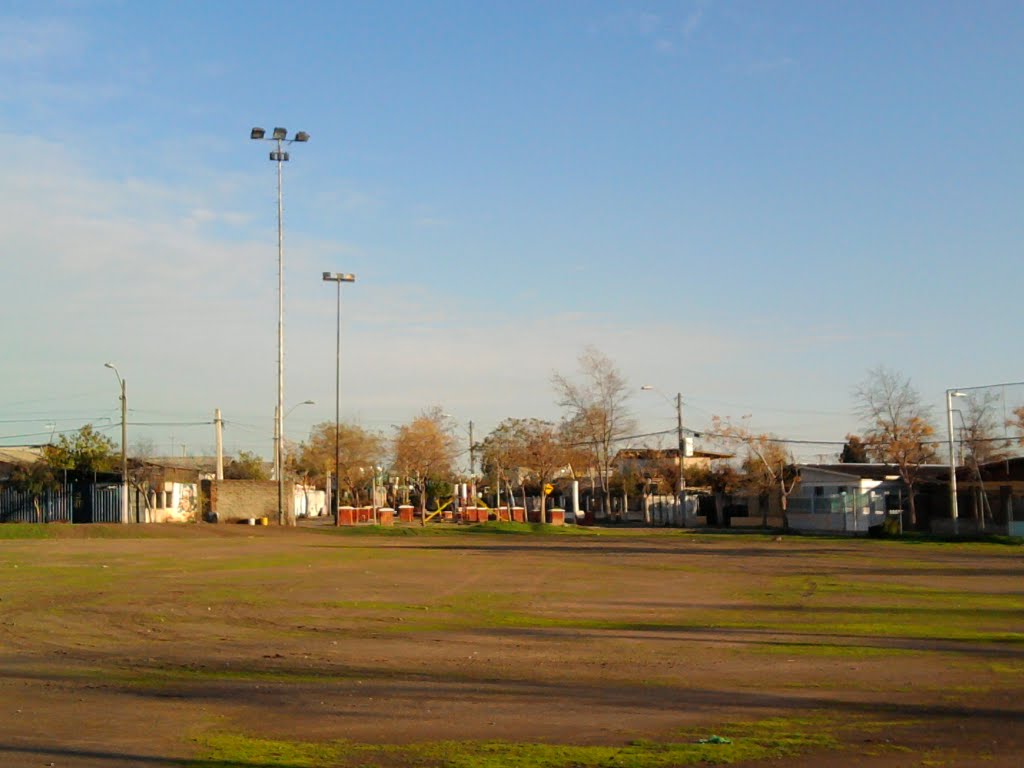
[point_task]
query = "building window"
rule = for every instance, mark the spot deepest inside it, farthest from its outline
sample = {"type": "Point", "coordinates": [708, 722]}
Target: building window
{"type": "Point", "coordinates": [819, 490]}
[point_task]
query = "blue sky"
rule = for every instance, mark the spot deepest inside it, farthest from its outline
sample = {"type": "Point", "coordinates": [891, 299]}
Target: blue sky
{"type": "Point", "coordinates": [752, 203]}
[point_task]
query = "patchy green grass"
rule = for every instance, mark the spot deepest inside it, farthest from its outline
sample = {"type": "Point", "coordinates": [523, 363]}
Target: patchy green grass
{"type": "Point", "coordinates": [27, 531]}
{"type": "Point", "coordinates": [766, 739]}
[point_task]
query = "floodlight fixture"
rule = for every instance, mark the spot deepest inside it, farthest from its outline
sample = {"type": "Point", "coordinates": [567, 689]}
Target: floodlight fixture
{"type": "Point", "coordinates": [279, 135]}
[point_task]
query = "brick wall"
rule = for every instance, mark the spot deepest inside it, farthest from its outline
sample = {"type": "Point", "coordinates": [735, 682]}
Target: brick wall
{"type": "Point", "coordinates": [233, 500]}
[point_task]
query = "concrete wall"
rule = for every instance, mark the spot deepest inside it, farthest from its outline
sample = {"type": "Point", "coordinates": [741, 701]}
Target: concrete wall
{"type": "Point", "coordinates": [836, 522]}
{"type": "Point", "coordinates": [236, 500]}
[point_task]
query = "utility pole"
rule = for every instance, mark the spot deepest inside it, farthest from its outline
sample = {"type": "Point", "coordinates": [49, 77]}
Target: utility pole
{"type": "Point", "coordinates": [681, 485]}
{"type": "Point", "coordinates": [219, 428]}
{"type": "Point", "coordinates": [124, 452]}
{"type": "Point", "coordinates": [124, 441]}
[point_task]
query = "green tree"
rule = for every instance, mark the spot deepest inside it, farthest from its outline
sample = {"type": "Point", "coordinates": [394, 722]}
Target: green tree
{"type": "Point", "coordinates": [86, 451]}
{"type": "Point", "coordinates": [246, 466]}
{"type": "Point", "coordinates": [854, 451]}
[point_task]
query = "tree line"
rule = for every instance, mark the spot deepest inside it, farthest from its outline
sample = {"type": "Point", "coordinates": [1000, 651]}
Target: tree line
{"type": "Point", "coordinates": [523, 456]}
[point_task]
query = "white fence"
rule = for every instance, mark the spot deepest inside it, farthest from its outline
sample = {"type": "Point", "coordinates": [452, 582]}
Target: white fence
{"type": "Point", "coordinates": [840, 513]}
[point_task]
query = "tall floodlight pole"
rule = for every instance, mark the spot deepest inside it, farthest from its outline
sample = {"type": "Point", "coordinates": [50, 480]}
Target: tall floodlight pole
{"type": "Point", "coordinates": [338, 278]}
{"type": "Point", "coordinates": [280, 136]}
{"type": "Point", "coordinates": [950, 394]}
{"type": "Point", "coordinates": [124, 442]}
{"type": "Point", "coordinates": [681, 449]}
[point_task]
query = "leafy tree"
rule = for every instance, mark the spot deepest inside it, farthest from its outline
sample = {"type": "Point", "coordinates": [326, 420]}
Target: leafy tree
{"type": "Point", "coordinates": [897, 426]}
{"type": "Point", "coordinates": [359, 452]}
{"type": "Point", "coordinates": [246, 466]}
{"type": "Point", "coordinates": [35, 480]}
{"type": "Point", "coordinates": [425, 451]}
{"type": "Point", "coordinates": [597, 412]}
{"type": "Point", "coordinates": [653, 471]}
{"type": "Point", "coordinates": [527, 447]}
{"type": "Point", "coordinates": [854, 452]}
{"type": "Point", "coordinates": [499, 455]}
{"type": "Point", "coordinates": [86, 451]}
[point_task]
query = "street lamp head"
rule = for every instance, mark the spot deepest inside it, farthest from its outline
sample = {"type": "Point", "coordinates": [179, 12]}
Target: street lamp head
{"type": "Point", "coordinates": [280, 133]}
{"type": "Point", "coordinates": [257, 133]}
{"type": "Point", "coordinates": [646, 388]}
{"type": "Point", "coordinates": [110, 365]}
{"type": "Point", "coordinates": [301, 136]}
{"type": "Point", "coordinates": [956, 393]}
{"type": "Point", "coordinates": [339, 277]}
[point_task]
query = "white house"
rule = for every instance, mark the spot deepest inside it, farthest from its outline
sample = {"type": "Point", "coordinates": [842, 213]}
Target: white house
{"type": "Point", "coordinates": [844, 497]}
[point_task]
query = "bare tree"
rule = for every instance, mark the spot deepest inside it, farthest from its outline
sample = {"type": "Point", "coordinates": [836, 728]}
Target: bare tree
{"type": "Point", "coordinates": [897, 426]}
{"type": "Point", "coordinates": [979, 426]}
{"type": "Point", "coordinates": [980, 444]}
{"type": "Point", "coordinates": [1017, 423]}
{"type": "Point", "coordinates": [425, 451]}
{"type": "Point", "coordinates": [597, 412]}
{"type": "Point", "coordinates": [767, 466]}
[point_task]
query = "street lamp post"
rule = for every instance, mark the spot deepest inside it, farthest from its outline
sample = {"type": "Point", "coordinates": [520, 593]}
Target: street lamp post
{"type": "Point", "coordinates": [337, 278]}
{"type": "Point", "coordinates": [950, 394]}
{"type": "Point", "coordinates": [124, 442]}
{"type": "Point", "coordinates": [681, 447]}
{"type": "Point", "coordinates": [280, 136]}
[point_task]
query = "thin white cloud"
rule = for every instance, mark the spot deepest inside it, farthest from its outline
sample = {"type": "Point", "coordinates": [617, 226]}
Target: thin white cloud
{"type": "Point", "coordinates": [631, 22]}
{"type": "Point", "coordinates": [770, 65]}
{"type": "Point", "coordinates": [23, 40]}
{"type": "Point", "coordinates": [693, 21]}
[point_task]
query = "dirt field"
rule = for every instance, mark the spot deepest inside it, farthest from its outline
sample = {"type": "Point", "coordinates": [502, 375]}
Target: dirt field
{"type": "Point", "coordinates": [226, 646]}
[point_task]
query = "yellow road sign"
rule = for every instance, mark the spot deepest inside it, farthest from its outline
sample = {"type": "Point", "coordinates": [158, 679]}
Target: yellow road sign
{"type": "Point", "coordinates": [548, 488]}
